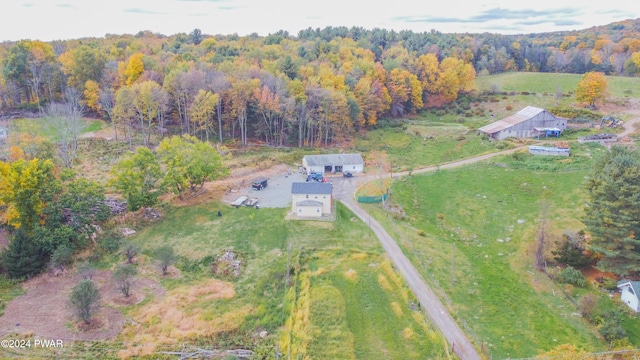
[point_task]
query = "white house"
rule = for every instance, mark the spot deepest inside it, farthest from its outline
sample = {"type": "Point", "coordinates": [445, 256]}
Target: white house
{"type": "Point", "coordinates": [333, 163]}
{"type": "Point", "coordinates": [528, 122]}
{"type": "Point", "coordinates": [311, 199]}
{"type": "Point", "coordinates": [629, 293]}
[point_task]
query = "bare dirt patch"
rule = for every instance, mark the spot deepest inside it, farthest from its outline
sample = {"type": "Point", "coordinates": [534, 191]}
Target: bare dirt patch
{"type": "Point", "coordinates": [43, 310]}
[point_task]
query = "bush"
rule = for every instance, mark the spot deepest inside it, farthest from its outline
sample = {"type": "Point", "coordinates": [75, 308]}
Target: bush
{"type": "Point", "coordinates": [570, 275]}
{"type": "Point", "coordinates": [166, 257]}
{"type": "Point", "coordinates": [588, 305]}
{"type": "Point", "coordinates": [609, 284]}
{"type": "Point", "coordinates": [85, 300]}
{"type": "Point", "coordinates": [123, 277]}
{"type": "Point", "coordinates": [611, 329]}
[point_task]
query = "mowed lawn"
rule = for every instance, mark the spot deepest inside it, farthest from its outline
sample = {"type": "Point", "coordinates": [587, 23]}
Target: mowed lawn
{"type": "Point", "coordinates": [488, 215]}
{"type": "Point", "coordinates": [340, 283]}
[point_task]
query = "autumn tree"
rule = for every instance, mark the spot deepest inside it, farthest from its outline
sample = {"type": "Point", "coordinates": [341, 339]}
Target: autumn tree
{"type": "Point", "coordinates": [203, 111]}
{"type": "Point", "coordinates": [241, 95]}
{"type": "Point", "coordinates": [189, 163]}
{"type": "Point", "coordinates": [592, 88]}
{"type": "Point", "coordinates": [83, 63]}
{"type": "Point", "coordinates": [25, 189]}
{"type": "Point", "coordinates": [144, 105]}
{"type": "Point", "coordinates": [138, 178]}
{"type": "Point", "coordinates": [135, 68]}
{"type": "Point", "coordinates": [613, 213]}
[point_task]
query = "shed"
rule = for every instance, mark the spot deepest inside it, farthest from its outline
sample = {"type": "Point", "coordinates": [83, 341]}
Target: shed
{"type": "Point", "coordinates": [4, 133]}
{"type": "Point", "coordinates": [333, 163]}
{"type": "Point", "coordinates": [629, 293]}
{"type": "Point", "coordinates": [311, 199]}
{"type": "Point", "coordinates": [528, 122]}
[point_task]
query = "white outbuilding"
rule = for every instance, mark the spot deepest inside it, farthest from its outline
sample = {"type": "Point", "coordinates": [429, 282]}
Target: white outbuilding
{"type": "Point", "coordinates": [333, 163]}
{"type": "Point", "coordinates": [629, 293]}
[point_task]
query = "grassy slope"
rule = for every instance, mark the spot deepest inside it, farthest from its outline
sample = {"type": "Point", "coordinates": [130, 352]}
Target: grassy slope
{"type": "Point", "coordinates": [618, 86]}
{"type": "Point", "coordinates": [41, 128]}
{"type": "Point", "coordinates": [497, 293]}
{"type": "Point", "coordinates": [261, 237]}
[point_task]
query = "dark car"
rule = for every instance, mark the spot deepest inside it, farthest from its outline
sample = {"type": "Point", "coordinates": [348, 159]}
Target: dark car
{"type": "Point", "coordinates": [259, 184]}
{"type": "Point", "coordinates": [347, 174]}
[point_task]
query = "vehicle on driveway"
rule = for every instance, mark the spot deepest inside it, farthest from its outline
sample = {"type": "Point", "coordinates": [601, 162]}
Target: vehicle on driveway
{"type": "Point", "coordinates": [259, 184]}
{"type": "Point", "coordinates": [347, 174]}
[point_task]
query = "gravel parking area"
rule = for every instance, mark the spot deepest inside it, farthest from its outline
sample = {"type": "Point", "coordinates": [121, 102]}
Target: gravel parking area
{"type": "Point", "coordinates": [276, 195]}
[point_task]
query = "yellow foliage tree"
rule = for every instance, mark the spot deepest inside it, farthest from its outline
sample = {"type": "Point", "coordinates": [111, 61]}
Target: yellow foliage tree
{"type": "Point", "coordinates": [592, 88]}
{"type": "Point", "coordinates": [135, 68]}
{"type": "Point", "coordinates": [23, 188]}
{"type": "Point", "coordinates": [92, 94]}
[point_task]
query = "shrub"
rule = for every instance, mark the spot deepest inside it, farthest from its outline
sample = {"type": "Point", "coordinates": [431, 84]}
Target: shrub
{"type": "Point", "coordinates": [85, 300]}
{"type": "Point", "coordinates": [611, 329]}
{"type": "Point", "coordinates": [571, 275]}
{"type": "Point", "coordinates": [123, 277]}
{"type": "Point", "coordinates": [508, 108]}
{"type": "Point", "coordinates": [609, 284]}
{"type": "Point", "coordinates": [166, 257]}
{"type": "Point", "coordinates": [86, 270]}
{"type": "Point", "coordinates": [588, 306]}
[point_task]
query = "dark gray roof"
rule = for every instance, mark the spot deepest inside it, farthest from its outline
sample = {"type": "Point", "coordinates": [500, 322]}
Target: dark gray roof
{"type": "Point", "coordinates": [309, 203]}
{"type": "Point", "coordinates": [311, 187]}
{"type": "Point", "coordinates": [334, 159]}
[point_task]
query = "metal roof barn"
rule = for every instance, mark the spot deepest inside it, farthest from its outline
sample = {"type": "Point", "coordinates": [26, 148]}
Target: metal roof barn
{"type": "Point", "coordinates": [333, 163]}
{"type": "Point", "coordinates": [528, 122]}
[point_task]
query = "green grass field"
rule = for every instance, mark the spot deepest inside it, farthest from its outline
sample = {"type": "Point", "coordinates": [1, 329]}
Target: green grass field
{"type": "Point", "coordinates": [335, 284]}
{"type": "Point", "coordinates": [489, 213]}
{"type": "Point", "coordinates": [550, 83]}
{"type": "Point", "coordinates": [40, 127]}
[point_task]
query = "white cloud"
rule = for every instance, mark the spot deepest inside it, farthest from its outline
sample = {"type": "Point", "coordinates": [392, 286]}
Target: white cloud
{"type": "Point", "coordinates": [63, 19]}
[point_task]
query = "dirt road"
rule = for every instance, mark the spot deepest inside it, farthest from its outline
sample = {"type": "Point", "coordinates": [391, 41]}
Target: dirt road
{"type": "Point", "coordinates": [344, 190]}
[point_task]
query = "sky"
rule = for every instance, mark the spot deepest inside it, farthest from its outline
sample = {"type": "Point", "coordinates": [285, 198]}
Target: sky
{"type": "Point", "coordinates": [48, 20]}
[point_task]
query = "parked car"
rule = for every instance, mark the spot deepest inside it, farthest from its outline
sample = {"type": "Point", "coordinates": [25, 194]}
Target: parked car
{"type": "Point", "coordinates": [347, 174]}
{"type": "Point", "coordinates": [259, 184]}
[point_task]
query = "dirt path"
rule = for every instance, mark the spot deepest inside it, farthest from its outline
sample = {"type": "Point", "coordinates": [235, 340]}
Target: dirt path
{"type": "Point", "coordinates": [629, 127]}
{"type": "Point", "coordinates": [344, 190]}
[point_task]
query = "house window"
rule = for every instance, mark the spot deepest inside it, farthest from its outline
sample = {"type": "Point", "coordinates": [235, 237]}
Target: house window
{"type": "Point", "coordinates": [315, 197]}
{"type": "Point", "coordinates": [299, 210]}
{"type": "Point", "coordinates": [307, 196]}
{"type": "Point", "coordinates": [317, 209]}
{"type": "Point", "coordinates": [631, 290]}
{"type": "Point", "coordinates": [324, 196]}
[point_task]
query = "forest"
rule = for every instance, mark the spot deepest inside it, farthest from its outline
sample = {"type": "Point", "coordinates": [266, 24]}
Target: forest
{"type": "Point", "coordinates": [315, 89]}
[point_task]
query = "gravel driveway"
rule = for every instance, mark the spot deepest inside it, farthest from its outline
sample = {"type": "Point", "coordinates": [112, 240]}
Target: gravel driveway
{"type": "Point", "coordinates": [276, 195]}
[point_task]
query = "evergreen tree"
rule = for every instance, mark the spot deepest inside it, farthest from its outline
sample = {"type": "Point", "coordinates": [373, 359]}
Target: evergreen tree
{"type": "Point", "coordinates": [23, 258]}
{"type": "Point", "coordinates": [613, 213]}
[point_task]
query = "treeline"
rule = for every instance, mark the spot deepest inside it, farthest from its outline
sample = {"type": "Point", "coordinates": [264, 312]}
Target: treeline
{"type": "Point", "coordinates": [313, 89]}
